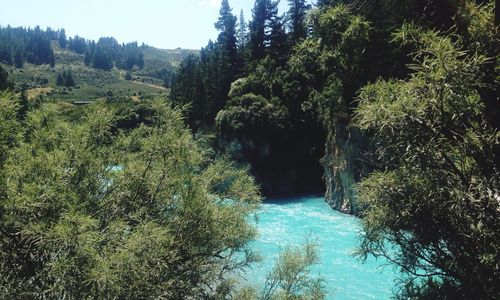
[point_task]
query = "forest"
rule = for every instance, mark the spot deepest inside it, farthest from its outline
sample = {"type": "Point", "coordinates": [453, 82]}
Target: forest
{"type": "Point", "coordinates": [388, 108]}
{"type": "Point", "coordinates": [20, 45]}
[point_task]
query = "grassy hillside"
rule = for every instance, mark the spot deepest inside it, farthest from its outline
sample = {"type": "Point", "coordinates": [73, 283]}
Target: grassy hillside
{"type": "Point", "coordinates": [94, 84]}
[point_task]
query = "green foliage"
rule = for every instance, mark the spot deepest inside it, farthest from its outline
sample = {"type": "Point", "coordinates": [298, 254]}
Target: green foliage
{"type": "Point", "coordinates": [332, 62]}
{"type": "Point", "coordinates": [251, 116]}
{"type": "Point", "coordinates": [18, 45]}
{"type": "Point", "coordinates": [4, 79]}
{"type": "Point", "coordinates": [266, 30]}
{"type": "Point", "coordinates": [62, 38]}
{"type": "Point", "coordinates": [91, 211]}
{"type": "Point", "coordinates": [437, 197]}
{"type": "Point", "coordinates": [65, 79]}
{"type": "Point", "coordinates": [297, 14]}
{"type": "Point", "coordinates": [205, 81]}
{"type": "Point", "coordinates": [9, 127]}
{"type": "Point", "coordinates": [290, 277]}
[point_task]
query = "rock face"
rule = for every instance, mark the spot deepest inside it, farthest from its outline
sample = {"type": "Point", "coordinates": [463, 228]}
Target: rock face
{"type": "Point", "coordinates": [345, 162]}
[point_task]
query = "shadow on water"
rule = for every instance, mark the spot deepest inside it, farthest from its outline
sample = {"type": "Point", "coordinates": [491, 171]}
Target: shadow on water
{"type": "Point", "coordinates": [292, 199]}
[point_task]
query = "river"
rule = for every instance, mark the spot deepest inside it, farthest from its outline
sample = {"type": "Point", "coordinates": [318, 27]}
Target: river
{"type": "Point", "coordinates": [289, 221]}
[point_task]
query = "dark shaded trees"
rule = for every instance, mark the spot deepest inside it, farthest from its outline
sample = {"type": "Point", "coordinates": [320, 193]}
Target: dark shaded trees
{"type": "Point", "coordinates": [188, 88]}
{"type": "Point", "coordinates": [297, 23]}
{"type": "Point", "coordinates": [219, 64]}
{"type": "Point", "coordinates": [62, 38]}
{"type": "Point", "coordinates": [18, 45]}
{"type": "Point", "coordinates": [264, 13]}
{"type": "Point", "coordinates": [65, 78]}
{"type": "Point", "coordinates": [78, 44]}
{"type": "Point", "coordinates": [4, 79]}
{"type": "Point", "coordinates": [242, 32]}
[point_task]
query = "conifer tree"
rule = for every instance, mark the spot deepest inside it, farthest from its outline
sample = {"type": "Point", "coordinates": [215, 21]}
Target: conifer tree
{"type": "Point", "coordinates": [265, 13]}
{"type": "Point", "coordinates": [297, 13]}
{"type": "Point", "coordinates": [226, 25]}
{"type": "Point", "coordinates": [62, 38]}
{"type": "Point", "coordinates": [4, 79]}
{"type": "Point", "coordinates": [18, 59]}
{"type": "Point", "coordinates": [278, 41]}
{"type": "Point", "coordinates": [242, 32]}
{"type": "Point", "coordinates": [59, 79]}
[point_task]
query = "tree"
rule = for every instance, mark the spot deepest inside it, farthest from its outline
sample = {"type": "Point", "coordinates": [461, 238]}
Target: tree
{"type": "Point", "coordinates": [4, 79]}
{"type": "Point", "coordinates": [189, 88]}
{"type": "Point", "coordinates": [62, 38]}
{"type": "Point", "coordinates": [264, 12]}
{"type": "Point", "coordinates": [78, 44]}
{"type": "Point", "coordinates": [18, 59]}
{"type": "Point", "coordinates": [297, 14]}
{"type": "Point", "coordinates": [226, 25]}
{"type": "Point", "coordinates": [330, 67]}
{"type": "Point", "coordinates": [69, 81]}
{"type": "Point", "coordinates": [436, 198]}
{"type": "Point", "coordinates": [65, 79]}
{"type": "Point", "coordinates": [290, 276]}
{"type": "Point", "coordinates": [242, 32]}
{"type": "Point", "coordinates": [278, 40]}
{"type": "Point", "coordinates": [60, 79]}
{"type": "Point", "coordinates": [134, 213]}
{"type": "Point", "coordinates": [102, 58]}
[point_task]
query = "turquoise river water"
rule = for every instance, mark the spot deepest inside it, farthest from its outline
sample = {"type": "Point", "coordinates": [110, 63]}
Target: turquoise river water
{"type": "Point", "coordinates": [289, 221]}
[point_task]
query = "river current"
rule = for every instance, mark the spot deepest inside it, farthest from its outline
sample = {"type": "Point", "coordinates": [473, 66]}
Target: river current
{"type": "Point", "coordinates": [289, 221]}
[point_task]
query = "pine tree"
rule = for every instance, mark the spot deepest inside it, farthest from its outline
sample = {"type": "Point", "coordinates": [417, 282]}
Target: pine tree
{"type": "Point", "coordinates": [242, 32]}
{"type": "Point", "coordinates": [18, 59]}
{"type": "Point", "coordinates": [264, 12]}
{"type": "Point", "coordinates": [278, 41]}
{"type": "Point", "coordinates": [4, 79]}
{"type": "Point", "coordinates": [62, 38]}
{"type": "Point", "coordinates": [59, 79]}
{"type": "Point", "coordinates": [297, 13]}
{"type": "Point", "coordinates": [227, 31]}
{"type": "Point", "coordinates": [257, 29]}
{"type": "Point", "coordinates": [23, 103]}
{"type": "Point", "coordinates": [69, 81]}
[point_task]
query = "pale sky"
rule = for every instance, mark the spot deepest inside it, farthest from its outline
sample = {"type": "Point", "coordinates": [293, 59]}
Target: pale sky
{"type": "Point", "coordinates": [160, 23]}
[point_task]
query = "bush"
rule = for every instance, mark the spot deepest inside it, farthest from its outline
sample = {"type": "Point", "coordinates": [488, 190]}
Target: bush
{"type": "Point", "coordinates": [90, 211]}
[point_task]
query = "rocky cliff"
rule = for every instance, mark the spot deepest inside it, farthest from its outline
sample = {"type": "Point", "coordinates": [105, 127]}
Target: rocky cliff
{"type": "Point", "coordinates": [346, 161]}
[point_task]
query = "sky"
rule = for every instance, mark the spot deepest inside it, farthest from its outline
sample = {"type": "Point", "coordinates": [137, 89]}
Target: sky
{"type": "Point", "coordinates": [164, 24]}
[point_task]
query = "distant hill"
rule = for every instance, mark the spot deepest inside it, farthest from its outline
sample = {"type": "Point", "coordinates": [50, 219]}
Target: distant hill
{"type": "Point", "coordinates": [157, 62]}
{"type": "Point", "coordinates": [92, 84]}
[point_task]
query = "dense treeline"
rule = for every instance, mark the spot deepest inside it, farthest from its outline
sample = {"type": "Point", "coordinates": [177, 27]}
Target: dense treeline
{"type": "Point", "coordinates": [400, 96]}
{"type": "Point", "coordinates": [256, 122]}
{"type": "Point", "coordinates": [108, 53]}
{"type": "Point", "coordinates": [20, 45]}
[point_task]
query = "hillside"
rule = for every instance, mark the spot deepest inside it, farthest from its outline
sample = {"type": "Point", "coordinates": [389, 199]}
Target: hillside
{"type": "Point", "coordinates": [93, 84]}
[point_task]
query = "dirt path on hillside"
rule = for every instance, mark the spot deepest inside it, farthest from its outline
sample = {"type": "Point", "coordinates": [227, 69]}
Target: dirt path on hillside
{"type": "Point", "coordinates": [151, 85]}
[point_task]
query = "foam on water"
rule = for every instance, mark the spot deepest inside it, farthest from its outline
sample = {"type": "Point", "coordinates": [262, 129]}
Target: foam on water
{"type": "Point", "coordinates": [289, 221]}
